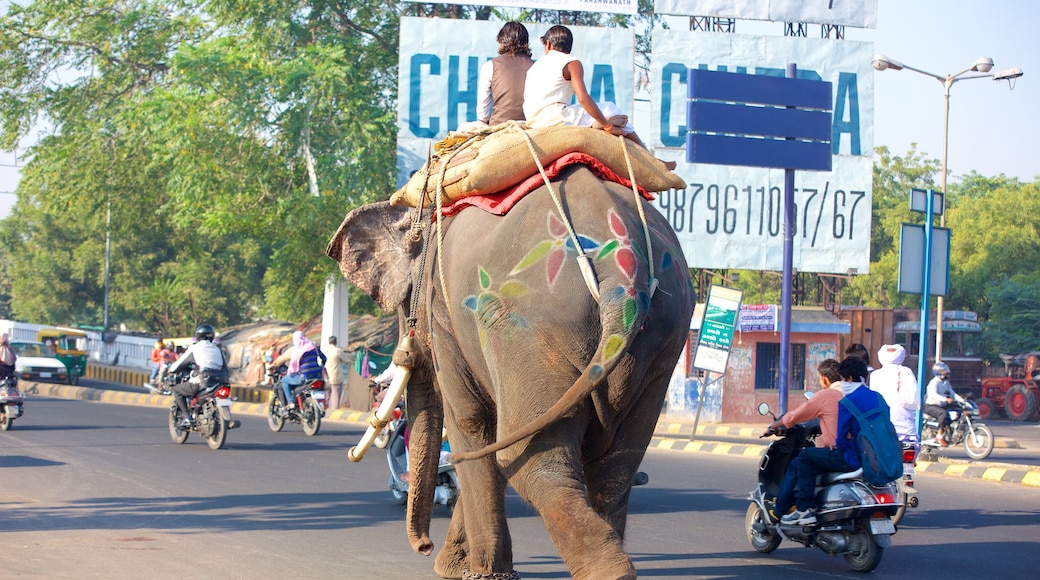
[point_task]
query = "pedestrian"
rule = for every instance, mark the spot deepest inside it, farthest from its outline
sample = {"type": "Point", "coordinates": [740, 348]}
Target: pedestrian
{"type": "Point", "coordinates": [157, 361]}
{"type": "Point", "coordinates": [502, 78]}
{"type": "Point", "coordinates": [335, 358]}
{"type": "Point", "coordinates": [897, 384]}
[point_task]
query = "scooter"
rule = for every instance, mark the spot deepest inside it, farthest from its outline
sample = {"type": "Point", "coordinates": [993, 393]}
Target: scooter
{"type": "Point", "coordinates": [853, 518]}
{"type": "Point", "coordinates": [12, 402]}
{"type": "Point", "coordinates": [906, 495]}
{"type": "Point", "coordinates": [447, 491]}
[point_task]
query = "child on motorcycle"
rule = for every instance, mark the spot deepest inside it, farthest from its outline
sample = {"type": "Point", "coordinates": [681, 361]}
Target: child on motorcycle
{"type": "Point", "coordinates": [823, 406]}
{"type": "Point", "coordinates": [940, 395]}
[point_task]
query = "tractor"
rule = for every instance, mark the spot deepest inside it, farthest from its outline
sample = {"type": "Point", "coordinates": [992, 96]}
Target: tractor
{"type": "Point", "coordinates": [1017, 393]}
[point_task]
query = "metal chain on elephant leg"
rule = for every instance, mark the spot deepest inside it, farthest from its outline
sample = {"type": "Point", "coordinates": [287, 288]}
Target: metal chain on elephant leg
{"type": "Point", "coordinates": [642, 217]}
{"type": "Point", "coordinates": [511, 575]}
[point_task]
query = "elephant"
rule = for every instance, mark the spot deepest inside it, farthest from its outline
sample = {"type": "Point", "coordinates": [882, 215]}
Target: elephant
{"type": "Point", "coordinates": [543, 381]}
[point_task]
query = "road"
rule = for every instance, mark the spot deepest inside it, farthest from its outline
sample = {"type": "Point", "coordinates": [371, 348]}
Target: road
{"type": "Point", "coordinates": [94, 490]}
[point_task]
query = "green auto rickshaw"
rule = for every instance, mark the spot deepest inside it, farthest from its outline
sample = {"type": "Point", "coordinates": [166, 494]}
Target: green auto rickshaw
{"type": "Point", "coordinates": [70, 347]}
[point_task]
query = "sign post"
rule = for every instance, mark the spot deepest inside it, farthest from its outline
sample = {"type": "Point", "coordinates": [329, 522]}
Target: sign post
{"type": "Point", "coordinates": [715, 339]}
{"type": "Point", "coordinates": [931, 203]}
{"type": "Point", "coordinates": [763, 121]}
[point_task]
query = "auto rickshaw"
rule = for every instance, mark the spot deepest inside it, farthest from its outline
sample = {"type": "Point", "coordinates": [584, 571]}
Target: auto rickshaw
{"type": "Point", "coordinates": [70, 347]}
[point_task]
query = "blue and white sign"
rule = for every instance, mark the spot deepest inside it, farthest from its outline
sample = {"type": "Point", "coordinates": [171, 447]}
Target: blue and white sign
{"type": "Point", "coordinates": [731, 217]}
{"type": "Point", "coordinates": [440, 60]}
{"type": "Point", "coordinates": [856, 13]}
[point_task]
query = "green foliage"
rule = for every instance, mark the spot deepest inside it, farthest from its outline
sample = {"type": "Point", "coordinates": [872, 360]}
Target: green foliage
{"type": "Point", "coordinates": [1014, 316]}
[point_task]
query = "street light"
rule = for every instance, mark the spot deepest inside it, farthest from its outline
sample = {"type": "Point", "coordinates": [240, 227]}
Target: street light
{"type": "Point", "coordinates": [982, 65]}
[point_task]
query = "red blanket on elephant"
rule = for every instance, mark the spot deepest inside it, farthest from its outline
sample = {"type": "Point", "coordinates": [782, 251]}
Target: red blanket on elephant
{"type": "Point", "coordinates": [502, 202]}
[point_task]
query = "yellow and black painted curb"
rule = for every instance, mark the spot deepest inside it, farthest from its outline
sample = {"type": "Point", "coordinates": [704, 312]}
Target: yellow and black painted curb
{"type": "Point", "coordinates": [1027, 475]}
{"type": "Point", "coordinates": [117, 375]}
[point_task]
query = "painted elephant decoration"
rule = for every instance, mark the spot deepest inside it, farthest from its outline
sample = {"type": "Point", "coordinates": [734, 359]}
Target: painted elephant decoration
{"type": "Point", "coordinates": [539, 384]}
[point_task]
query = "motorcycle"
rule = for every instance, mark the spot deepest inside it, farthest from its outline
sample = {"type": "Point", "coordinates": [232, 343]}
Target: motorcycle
{"type": "Point", "coordinates": [447, 491]}
{"type": "Point", "coordinates": [852, 517]}
{"type": "Point", "coordinates": [962, 428]}
{"type": "Point", "coordinates": [12, 402]}
{"type": "Point", "coordinates": [309, 397]}
{"type": "Point", "coordinates": [209, 411]}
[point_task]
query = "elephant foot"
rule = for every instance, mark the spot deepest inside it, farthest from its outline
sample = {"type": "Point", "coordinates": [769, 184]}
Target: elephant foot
{"type": "Point", "coordinates": [511, 575]}
{"type": "Point", "coordinates": [450, 564]}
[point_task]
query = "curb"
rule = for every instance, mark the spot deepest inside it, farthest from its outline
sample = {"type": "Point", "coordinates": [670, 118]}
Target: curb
{"type": "Point", "coordinates": [665, 436]}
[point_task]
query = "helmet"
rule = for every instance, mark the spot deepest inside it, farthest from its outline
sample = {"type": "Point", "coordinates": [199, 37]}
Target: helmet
{"type": "Point", "coordinates": [940, 369]}
{"type": "Point", "coordinates": [204, 332]}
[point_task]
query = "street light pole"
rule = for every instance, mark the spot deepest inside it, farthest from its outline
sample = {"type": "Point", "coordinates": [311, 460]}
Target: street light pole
{"type": "Point", "coordinates": [981, 65]}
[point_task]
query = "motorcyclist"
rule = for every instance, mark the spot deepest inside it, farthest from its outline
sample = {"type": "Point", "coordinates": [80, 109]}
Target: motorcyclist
{"type": "Point", "coordinates": [207, 364]}
{"type": "Point", "coordinates": [823, 406]}
{"type": "Point", "coordinates": [939, 397]}
{"type": "Point", "coordinates": [7, 357]}
{"type": "Point", "coordinates": [304, 365]}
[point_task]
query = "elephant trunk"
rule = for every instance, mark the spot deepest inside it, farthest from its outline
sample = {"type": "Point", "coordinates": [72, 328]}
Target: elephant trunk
{"type": "Point", "coordinates": [424, 444]}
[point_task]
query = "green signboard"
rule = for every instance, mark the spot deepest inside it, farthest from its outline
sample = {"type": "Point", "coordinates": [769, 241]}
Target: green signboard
{"type": "Point", "coordinates": [716, 337]}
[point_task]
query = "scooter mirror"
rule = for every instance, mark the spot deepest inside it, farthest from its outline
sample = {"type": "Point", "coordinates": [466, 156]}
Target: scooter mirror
{"type": "Point", "coordinates": [763, 409]}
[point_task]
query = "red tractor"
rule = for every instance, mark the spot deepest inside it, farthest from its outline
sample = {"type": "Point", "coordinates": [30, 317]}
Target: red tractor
{"type": "Point", "coordinates": [1017, 394]}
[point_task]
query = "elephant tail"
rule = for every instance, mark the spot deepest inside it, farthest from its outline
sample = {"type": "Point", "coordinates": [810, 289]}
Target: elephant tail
{"type": "Point", "coordinates": [619, 312]}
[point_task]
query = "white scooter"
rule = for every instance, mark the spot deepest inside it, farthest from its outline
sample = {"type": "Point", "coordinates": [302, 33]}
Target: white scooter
{"type": "Point", "coordinates": [447, 491]}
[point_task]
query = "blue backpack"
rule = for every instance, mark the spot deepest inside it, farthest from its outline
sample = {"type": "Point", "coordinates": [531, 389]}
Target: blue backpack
{"type": "Point", "coordinates": [880, 452]}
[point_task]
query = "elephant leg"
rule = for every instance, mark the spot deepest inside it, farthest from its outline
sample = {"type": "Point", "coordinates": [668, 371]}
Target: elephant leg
{"type": "Point", "coordinates": [549, 477]}
{"type": "Point", "coordinates": [608, 477]}
{"type": "Point", "coordinates": [453, 558]}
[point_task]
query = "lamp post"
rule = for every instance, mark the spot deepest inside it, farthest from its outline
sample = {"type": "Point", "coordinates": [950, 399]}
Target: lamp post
{"type": "Point", "coordinates": [983, 66]}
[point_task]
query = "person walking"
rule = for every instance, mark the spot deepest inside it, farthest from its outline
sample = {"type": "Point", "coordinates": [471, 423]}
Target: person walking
{"type": "Point", "coordinates": [336, 357]}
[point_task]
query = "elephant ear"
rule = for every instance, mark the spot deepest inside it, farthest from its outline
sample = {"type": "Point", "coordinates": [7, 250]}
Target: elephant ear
{"type": "Point", "coordinates": [375, 252]}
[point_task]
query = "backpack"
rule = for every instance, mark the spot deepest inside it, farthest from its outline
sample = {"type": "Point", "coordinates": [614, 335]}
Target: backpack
{"type": "Point", "coordinates": [880, 452]}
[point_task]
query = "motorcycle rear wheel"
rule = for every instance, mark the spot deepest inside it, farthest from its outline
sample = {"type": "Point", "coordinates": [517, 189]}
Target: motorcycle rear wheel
{"type": "Point", "coordinates": [869, 554]}
{"type": "Point", "coordinates": [985, 446]}
{"type": "Point", "coordinates": [274, 419]}
{"type": "Point", "coordinates": [6, 422]}
{"type": "Point", "coordinates": [311, 418]}
{"type": "Point", "coordinates": [178, 435]}
{"type": "Point", "coordinates": [217, 438]}
{"type": "Point", "coordinates": [901, 499]}
{"type": "Point", "coordinates": [763, 542]}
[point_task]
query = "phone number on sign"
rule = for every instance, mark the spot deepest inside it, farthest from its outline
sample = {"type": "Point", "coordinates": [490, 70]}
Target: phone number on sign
{"type": "Point", "coordinates": [733, 210]}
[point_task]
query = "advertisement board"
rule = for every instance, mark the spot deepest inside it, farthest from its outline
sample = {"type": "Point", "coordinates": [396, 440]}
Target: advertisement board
{"type": "Point", "coordinates": [716, 335]}
{"type": "Point", "coordinates": [731, 217]}
{"type": "Point", "coordinates": [630, 7]}
{"type": "Point", "coordinates": [440, 60]}
{"type": "Point", "coordinates": [855, 13]}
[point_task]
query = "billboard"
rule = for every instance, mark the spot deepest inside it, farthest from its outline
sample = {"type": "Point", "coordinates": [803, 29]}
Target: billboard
{"type": "Point", "coordinates": [731, 217]}
{"type": "Point", "coordinates": [855, 13]}
{"type": "Point", "coordinates": [440, 60]}
{"type": "Point", "coordinates": [610, 6]}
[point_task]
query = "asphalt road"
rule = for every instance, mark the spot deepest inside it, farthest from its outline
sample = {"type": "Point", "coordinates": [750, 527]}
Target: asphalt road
{"type": "Point", "coordinates": [94, 490]}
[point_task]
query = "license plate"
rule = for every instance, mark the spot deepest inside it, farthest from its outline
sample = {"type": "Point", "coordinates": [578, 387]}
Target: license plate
{"type": "Point", "coordinates": [319, 395]}
{"type": "Point", "coordinates": [882, 526]}
{"type": "Point", "coordinates": [45, 375]}
{"type": "Point", "coordinates": [223, 402]}
{"type": "Point", "coordinates": [908, 469]}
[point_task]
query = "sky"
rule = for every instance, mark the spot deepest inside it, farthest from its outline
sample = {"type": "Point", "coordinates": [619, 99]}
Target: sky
{"type": "Point", "coordinates": [991, 126]}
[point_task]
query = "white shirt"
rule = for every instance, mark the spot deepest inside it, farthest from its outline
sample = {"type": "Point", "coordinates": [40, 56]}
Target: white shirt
{"type": "Point", "coordinates": [898, 386]}
{"type": "Point", "coordinates": [484, 99]}
{"type": "Point", "coordinates": [547, 95]}
{"type": "Point", "coordinates": [938, 390]}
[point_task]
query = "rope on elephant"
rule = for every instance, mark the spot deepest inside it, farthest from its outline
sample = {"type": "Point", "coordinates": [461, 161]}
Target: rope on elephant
{"type": "Point", "coordinates": [642, 219]}
{"type": "Point", "coordinates": [584, 264]}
